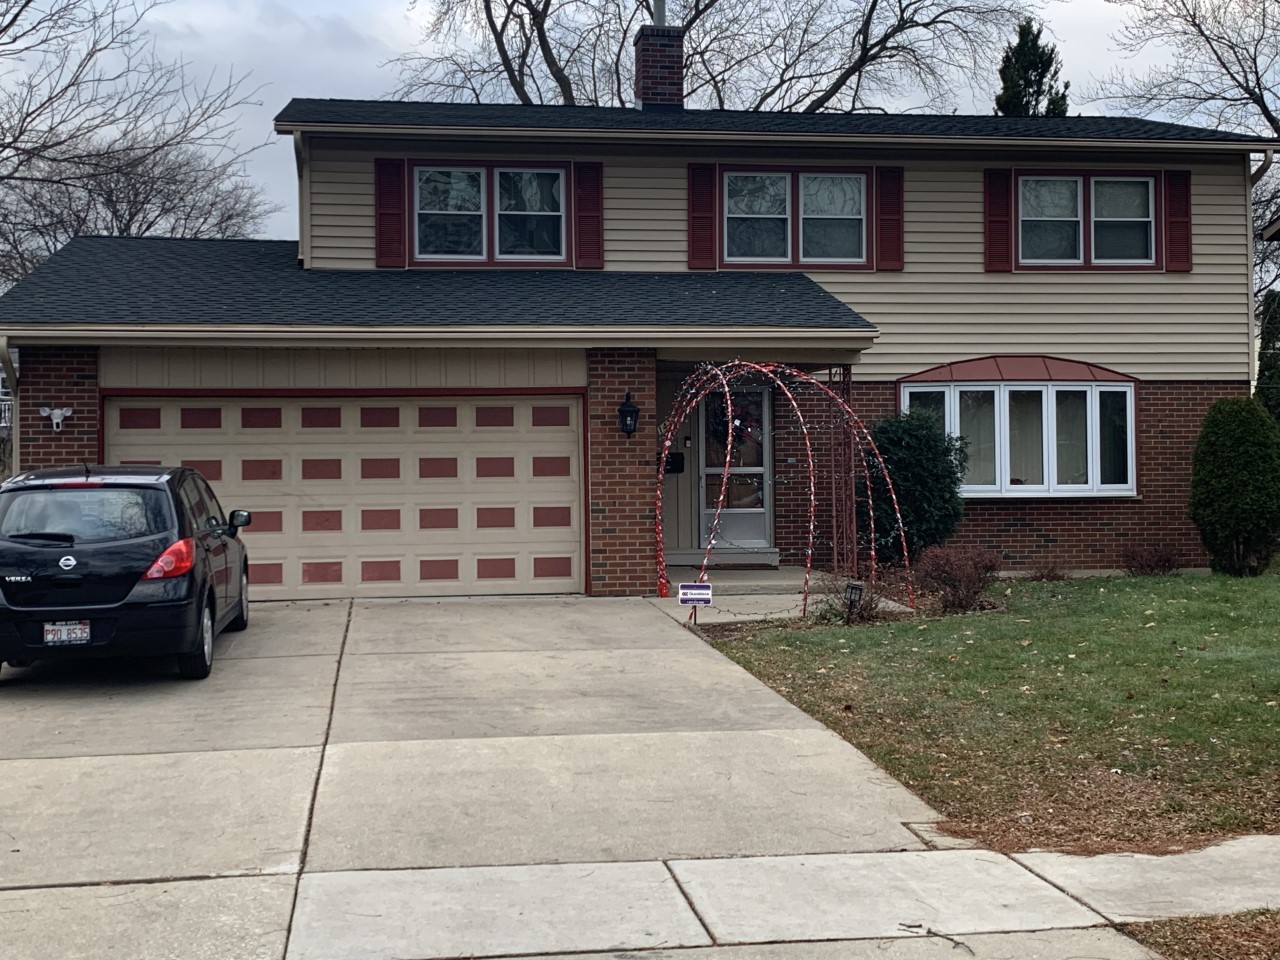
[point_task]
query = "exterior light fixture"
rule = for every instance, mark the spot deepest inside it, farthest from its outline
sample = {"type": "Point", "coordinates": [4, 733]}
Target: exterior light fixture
{"type": "Point", "coordinates": [56, 415]}
{"type": "Point", "coordinates": [628, 416]}
{"type": "Point", "coordinates": [852, 598]}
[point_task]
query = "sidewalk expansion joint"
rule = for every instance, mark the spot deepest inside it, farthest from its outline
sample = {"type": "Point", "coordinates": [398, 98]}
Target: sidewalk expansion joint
{"type": "Point", "coordinates": [315, 785]}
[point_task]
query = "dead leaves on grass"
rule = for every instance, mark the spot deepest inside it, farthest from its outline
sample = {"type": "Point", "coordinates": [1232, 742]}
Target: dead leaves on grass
{"type": "Point", "coordinates": [1243, 936]}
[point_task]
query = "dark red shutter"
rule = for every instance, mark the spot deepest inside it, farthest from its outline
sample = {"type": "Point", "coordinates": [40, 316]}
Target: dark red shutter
{"type": "Point", "coordinates": [889, 218]}
{"type": "Point", "coordinates": [389, 213]}
{"type": "Point", "coordinates": [998, 220]}
{"type": "Point", "coordinates": [588, 215]}
{"type": "Point", "coordinates": [1177, 221]}
{"type": "Point", "coordinates": [702, 216]}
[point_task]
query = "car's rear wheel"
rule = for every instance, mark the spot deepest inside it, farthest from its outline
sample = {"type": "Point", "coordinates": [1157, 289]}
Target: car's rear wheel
{"type": "Point", "coordinates": [241, 621]}
{"type": "Point", "coordinates": [197, 664]}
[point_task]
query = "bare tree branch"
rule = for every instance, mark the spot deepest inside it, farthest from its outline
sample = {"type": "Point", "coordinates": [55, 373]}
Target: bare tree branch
{"type": "Point", "coordinates": [1220, 68]}
{"type": "Point", "coordinates": [739, 54]}
{"type": "Point", "coordinates": [100, 135]}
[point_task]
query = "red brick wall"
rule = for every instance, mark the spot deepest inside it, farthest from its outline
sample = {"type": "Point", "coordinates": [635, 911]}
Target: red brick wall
{"type": "Point", "coordinates": [1082, 534]}
{"type": "Point", "coordinates": [65, 377]}
{"type": "Point", "coordinates": [621, 473]}
{"type": "Point", "coordinates": [660, 66]}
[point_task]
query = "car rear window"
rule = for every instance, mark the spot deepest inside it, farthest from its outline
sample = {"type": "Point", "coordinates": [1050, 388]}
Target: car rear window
{"type": "Point", "coordinates": [85, 514]}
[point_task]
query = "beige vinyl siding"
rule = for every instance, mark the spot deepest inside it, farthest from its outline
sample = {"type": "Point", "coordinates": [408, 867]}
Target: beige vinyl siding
{"type": "Point", "coordinates": [211, 368]}
{"type": "Point", "coordinates": [646, 216]}
{"type": "Point", "coordinates": [341, 218]}
{"type": "Point", "coordinates": [943, 306]}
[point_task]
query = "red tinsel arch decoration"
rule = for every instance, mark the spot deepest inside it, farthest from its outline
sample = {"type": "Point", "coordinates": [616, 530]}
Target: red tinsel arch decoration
{"type": "Point", "coordinates": [710, 378]}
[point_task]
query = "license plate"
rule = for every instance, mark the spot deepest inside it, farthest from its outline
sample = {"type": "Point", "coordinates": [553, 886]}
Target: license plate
{"type": "Point", "coordinates": [66, 633]}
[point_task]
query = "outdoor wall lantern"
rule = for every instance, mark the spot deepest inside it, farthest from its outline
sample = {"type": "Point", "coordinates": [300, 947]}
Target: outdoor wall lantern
{"type": "Point", "coordinates": [56, 415]}
{"type": "Point", "coordinates": [628, 416]}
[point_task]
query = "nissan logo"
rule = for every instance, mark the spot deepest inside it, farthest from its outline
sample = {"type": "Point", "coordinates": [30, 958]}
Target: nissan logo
{"type": "Point", "coordinates": [66, 563]}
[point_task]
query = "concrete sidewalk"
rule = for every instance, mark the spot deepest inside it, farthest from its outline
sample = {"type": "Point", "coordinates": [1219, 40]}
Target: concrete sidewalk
{"type": "Point", "coordinates": [414, 780]}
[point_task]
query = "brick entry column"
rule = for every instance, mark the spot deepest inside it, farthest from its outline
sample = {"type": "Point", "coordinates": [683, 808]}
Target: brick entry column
{"type": "Point", "coordinates": [621, 472]}
{"type": "Point", "coordinates": [64, 377]}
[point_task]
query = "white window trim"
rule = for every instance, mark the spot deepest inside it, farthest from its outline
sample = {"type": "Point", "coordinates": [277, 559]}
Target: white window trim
{"type": "Point", "coordinates": [1003, 489]}
{"type": "Point", "coordinates": [1078, 219]}
{"type": "Point", "coordinates": [483, 214]}
{"type": "Point", "coordinates": [1094, 219]}
{"type": "Point", "coordinates": [724, 227]}
{"type": "Point", "coordinates": [862, 185]}
{"type": "Point", "coordinates": [563, 215]}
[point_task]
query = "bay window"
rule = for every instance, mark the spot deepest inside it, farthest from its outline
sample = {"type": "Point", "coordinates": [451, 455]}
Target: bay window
{"type": "Point", "coordinates": [1038, 439]}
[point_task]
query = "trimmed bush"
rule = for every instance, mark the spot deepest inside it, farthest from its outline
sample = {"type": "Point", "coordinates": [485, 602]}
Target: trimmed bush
{"type": "Point", "coordinates": [1235, 486]}
{"type": "Point", "coordinates": [959, 575]}
{"type": "Point", "coordinates": [1151, 560]}
{"type": "Point", "coordinates": [927, 468]}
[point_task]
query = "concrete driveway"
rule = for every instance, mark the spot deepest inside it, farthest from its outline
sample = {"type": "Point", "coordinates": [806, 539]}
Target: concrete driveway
{"type": "Point", "coordinates": [416, 779]}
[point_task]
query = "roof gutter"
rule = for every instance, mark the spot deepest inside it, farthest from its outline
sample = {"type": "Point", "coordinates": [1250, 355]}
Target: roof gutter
{"type": "Point", "coordinates": [528, 337]}
{"type": "Point", "coordinates": [880, 140]}
{"type": "Point", "coordinates": [6, 363]}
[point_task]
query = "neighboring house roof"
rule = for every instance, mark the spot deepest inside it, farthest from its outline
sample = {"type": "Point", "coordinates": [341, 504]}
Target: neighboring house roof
{"type": "Point", "coordinates": [111, 281]}
{"type": "Point", "coordinates": [1271, 231]}
{"type": "Point", "coordinates": [302, 112]}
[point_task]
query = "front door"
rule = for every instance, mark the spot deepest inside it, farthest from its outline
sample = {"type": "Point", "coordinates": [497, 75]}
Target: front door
{"type": "Point", "coordinates": [746, 522]}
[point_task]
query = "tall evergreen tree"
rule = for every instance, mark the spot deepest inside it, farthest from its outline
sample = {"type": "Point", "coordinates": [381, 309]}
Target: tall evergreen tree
{"type": "Point", "coordinates": [1029, 75]}
{"type": "Point", "coordinates": [1268, 391]}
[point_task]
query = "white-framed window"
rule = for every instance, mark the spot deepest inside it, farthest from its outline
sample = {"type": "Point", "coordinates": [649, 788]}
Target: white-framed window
{"type": "Point", "coordinates": [1050, 220]}
{"type": "Point", "coordinates": [530, 214]}
{"type": "Point", "coordinates": [833, 222]}
{"type": "Point", "coordinates": [757, 217]}
{"type": "Point", "coordinates": [450, 210]}
{"type": "Point", "coordinates": [1123, 211]}
{"type": "Point", "coordinates": [1038, 439]}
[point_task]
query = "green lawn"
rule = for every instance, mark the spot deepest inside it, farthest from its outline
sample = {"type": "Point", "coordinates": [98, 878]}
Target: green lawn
{"type": "Point", "coordinates": [1088, 715]}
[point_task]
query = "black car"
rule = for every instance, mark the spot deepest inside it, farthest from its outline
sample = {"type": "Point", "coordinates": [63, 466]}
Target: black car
{"type": "Point", "coordinates": [114, 561]}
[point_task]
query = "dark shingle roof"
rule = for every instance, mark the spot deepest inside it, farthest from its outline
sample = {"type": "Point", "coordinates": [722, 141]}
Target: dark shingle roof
{"type": "Point", "coordinates": [620, 119]}
{"type": "Point", "coordinates": [114, 280]}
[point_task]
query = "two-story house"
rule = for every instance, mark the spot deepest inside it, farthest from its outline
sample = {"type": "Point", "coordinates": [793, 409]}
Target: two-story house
{"type": "Point", "coordinates": [420, 396]}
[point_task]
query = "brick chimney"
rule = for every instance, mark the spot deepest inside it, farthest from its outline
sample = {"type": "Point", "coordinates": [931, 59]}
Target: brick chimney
{"type": "Point", "coordinates": [660, 68]}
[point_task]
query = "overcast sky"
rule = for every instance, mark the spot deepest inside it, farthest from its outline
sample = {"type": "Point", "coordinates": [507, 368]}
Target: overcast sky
{"type": "Point", "coordinates": [323, 48]}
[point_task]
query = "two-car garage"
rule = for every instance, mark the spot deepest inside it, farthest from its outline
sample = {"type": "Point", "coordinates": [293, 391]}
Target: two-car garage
{"type": "Point", "coordinates": [381, 496]}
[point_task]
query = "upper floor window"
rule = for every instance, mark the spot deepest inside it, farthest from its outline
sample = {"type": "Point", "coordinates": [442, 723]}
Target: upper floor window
{"type": "Point", "coordinates": [1087, 220]}
{"type": "Point", "coordinates": [1038, 439]}
{"type": "Point", "coordinates": [531, 214]}
{"type": "Point", "coordinates": [794, 217]}
{"type": "Point", "coordinates": [489, 214]}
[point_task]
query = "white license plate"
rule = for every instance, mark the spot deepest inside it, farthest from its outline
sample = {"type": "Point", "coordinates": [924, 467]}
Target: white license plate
{"type": "Point", "coordinates": [66, 633]}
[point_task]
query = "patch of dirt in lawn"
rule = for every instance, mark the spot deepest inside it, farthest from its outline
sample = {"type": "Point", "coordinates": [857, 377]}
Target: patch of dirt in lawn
{"type": "Point", "coordinates": [1242, 936]}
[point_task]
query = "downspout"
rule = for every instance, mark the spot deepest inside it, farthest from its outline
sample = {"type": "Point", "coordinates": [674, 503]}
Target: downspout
{"type": "Point", "coordinates": [1268, 158]}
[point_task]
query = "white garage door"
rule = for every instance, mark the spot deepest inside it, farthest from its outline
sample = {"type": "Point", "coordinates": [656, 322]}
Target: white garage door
{"type": "Point", "coordinates": [382, 497]}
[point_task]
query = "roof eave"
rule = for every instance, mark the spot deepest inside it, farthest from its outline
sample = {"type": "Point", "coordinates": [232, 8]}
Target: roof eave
{"type": "Point", "coordinates": [708, 136]}
{"type": "Point", "coordinates": [538, 337]}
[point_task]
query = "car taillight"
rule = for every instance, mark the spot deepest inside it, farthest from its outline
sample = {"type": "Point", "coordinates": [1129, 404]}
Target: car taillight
{"type": "Point", "coordinates": [174, 562]}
